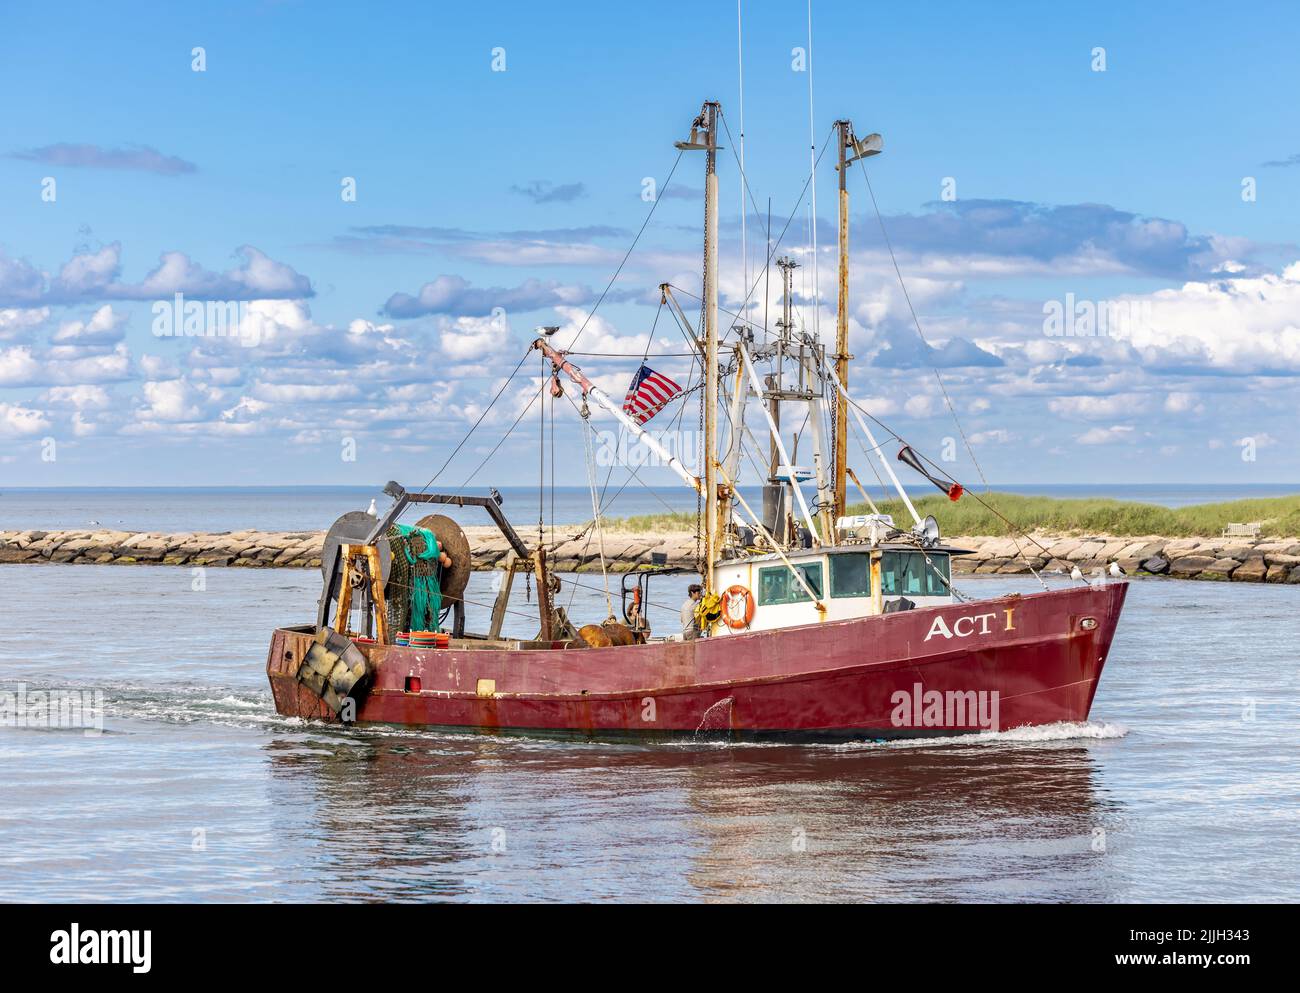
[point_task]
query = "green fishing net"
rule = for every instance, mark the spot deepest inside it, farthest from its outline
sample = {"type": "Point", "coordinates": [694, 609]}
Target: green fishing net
{"type": "Point", "coordinates": [414, 588]}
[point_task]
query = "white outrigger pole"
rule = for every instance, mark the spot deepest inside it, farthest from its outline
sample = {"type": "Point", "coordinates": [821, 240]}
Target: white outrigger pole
{"type": "Point", "coordinates": [591, 391]}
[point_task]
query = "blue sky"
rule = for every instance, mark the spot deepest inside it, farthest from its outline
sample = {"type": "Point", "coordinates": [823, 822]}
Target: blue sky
{"type": "Point", "coordinates": [522, 189]}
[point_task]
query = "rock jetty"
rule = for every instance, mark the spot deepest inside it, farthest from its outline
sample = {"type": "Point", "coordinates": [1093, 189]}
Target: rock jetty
{"type": "Point", "coordinates": [1266, 560]}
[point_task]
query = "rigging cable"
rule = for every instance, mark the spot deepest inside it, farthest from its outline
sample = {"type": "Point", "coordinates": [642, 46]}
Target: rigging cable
{"type": "Point", "coordinates": [771, 251]}
{"type": "Point", "coordinates": [772, 247]}
{"type": "Point", "coordinates": [1012, 529]}
{"type": "Point", "coordinates": [943, 388]}
{"type": "Point", "coordinates": [474, 427]}
{"type": "Point", "coordinates": [509, 431]}
{"type": "Point", "coordinates": [921, 334]}
{"type": "Point", "coordinates": [626, 255]}
{"type": "Point", "coordinates": [592, 313]}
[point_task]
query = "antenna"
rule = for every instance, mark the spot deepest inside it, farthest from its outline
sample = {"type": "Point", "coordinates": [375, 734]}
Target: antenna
{"type": "Point", "coordinates": [740, 62]}
{"type": "Point", "coordinates": [812, 171]}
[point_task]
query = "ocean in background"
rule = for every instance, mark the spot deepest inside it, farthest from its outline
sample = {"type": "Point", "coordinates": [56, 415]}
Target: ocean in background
{"type": "Point", "coordinates": [310, 508]}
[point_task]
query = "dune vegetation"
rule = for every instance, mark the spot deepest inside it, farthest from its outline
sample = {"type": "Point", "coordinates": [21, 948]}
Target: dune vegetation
{"type": "Point", "coordinates": [1278, 516]}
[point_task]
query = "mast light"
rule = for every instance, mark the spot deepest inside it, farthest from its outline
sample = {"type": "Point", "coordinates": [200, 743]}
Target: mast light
{"type": "Point", "coordinates": [863, 148]}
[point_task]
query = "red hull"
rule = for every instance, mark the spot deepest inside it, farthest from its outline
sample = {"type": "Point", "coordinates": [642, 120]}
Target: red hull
{"type": "Point", "coordinates": [1009, 662]}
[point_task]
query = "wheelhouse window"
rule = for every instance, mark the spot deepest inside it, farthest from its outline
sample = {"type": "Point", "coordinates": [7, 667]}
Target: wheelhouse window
{"type": "Point", "coordinates": [850, 574]}
{"type": "Point", "coordinates": [776, 584]}
{"type": "Point", "coordinates": [908, 574]}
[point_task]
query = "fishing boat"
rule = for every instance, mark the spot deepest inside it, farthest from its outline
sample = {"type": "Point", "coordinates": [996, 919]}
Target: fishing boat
{"type": "Point", "coordinates": [813, 623]}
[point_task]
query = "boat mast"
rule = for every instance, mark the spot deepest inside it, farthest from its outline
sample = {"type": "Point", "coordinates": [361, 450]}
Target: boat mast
{"type": "Point", "coordinates": [839, 459]}
{"type": "Point", "coordinates": [704, 135]}
{"type": "Point", "coordinates": [850, 150]}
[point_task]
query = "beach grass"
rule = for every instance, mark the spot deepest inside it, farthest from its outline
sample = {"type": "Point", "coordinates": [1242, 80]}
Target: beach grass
{"type": "Point", "coordinates": [673, 523]}
{"type": "Point", "coordinates": [978, 514]}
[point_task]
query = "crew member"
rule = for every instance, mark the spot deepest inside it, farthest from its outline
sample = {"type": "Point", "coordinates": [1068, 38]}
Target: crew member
{"type": "Point", "coordinates": [690, 626]}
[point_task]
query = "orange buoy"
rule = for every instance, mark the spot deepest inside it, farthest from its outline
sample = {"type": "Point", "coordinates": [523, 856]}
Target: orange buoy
{"type": "Point", "coordinates": [738, 607]}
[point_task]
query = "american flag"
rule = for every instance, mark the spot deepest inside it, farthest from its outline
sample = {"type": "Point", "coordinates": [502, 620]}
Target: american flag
{"type": "Point", "coordinates": [649, 393]}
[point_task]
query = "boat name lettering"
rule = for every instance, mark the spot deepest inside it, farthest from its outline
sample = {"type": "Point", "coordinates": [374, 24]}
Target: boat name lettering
{"type": "Point", "coordinates": [964, 627]}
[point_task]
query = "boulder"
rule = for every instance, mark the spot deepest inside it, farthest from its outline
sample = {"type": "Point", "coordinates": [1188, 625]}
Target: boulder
{"type": "Point", "coordinates": [1086, 551]}
{"type": "Point", "coordinates": [1238, 552]}
{"type": "Point", "coordinates": [1000, 548]}
{"type": "Point", "coordinates": [1063, 548]}
{"type": "Point", "coordinates": [1220, 569]}
{"type": "Point", "coordinates": [1114, 548]}
{"type": "Point", "coordinates": [212, 560]}
{"type": "Point", "coordinates": [145, 551]}
{"type": "Point", "coordinates": [1015, 567]}
{"type": "Point", "coordinates": [1281, 558]}
{"type": "Point", "coordinates": [1144, 549]}
{"type": "Point", "coordinates": [1253, 570]}
{"type": "Point", "coordinates": [1190, 566]}
{"type": "Point", "coordinates": [1157, 565]}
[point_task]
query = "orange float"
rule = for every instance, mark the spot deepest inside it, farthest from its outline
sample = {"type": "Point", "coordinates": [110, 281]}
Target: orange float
{"type": "Point", "coordinates": [729, 615]}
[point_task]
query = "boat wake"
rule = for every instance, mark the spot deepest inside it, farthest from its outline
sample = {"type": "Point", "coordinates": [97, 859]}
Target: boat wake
{"type": "Point", "coordinates": [247, 708]}
{"type": "Point", "coordinates": [219, 705]}
{"type": "Point", "coordinates": [1042, 734]}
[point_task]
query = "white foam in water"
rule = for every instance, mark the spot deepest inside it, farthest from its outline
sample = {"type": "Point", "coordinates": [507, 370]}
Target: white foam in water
{"type": "Point", "coordinates": [242, 708]}
{"type": "Point", "coordinates": [1038, 734]}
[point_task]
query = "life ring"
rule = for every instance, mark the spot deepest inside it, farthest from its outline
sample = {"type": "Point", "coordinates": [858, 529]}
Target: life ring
{"type": "Point", "coordinates": [729, 614]}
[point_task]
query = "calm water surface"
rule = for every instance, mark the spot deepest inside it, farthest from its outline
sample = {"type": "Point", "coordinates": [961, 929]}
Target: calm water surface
{"type": "Point", "coordinates": [1184, 787]}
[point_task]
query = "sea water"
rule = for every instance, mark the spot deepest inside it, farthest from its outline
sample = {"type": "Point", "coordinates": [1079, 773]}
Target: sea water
{"type": "Point", "coordinates": [1184, 785]}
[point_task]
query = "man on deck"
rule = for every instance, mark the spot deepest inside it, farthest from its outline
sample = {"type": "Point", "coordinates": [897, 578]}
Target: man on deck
{"type": "Point", "coordinates": [690, 626]}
